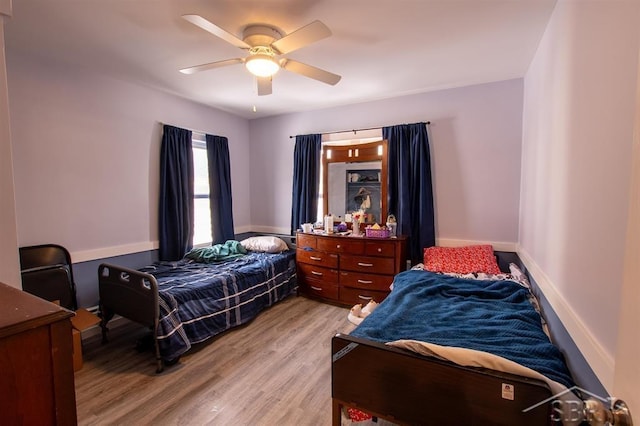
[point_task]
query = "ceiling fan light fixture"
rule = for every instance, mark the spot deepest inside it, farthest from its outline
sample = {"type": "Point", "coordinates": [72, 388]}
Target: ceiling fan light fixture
{"type": "Point", "coordinates": [262, 65]}
{"type": "Point", "coordinates": [265, 44]}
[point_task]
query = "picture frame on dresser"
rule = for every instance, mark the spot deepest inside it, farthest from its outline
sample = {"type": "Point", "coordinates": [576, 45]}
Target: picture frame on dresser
{"type": "Point", "coordinates": [348, 270]}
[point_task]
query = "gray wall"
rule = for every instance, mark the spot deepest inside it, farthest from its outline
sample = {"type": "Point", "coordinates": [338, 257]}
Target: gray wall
{"type": "Point", "coordinates": [475, 133]}
{"type": "Point", "coordinates": [9, 265]}
{"type": "Point", "coordinates": [577, 148]}
{"type": "Point", "coordinates": [86, 151]}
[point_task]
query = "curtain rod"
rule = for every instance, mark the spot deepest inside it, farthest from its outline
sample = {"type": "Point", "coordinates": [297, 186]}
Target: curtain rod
{"type": "Point", "coordinates": [185, 128]}
{"type": "Point", "coordinates": [353, 130]}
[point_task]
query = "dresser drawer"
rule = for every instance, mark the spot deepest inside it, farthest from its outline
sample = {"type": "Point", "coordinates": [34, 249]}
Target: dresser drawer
{"type": "Point", "coordinates": [317, 258]}
{"type": "Point", "coordinates": [367, 264]}
{"type": "Point", "coordinates": [352, 296]}
{"type": "Point", "coordinates": [380, 249]}
{"type": "Point", "coordinates": [319, 288]}
{"type": "Point", "coordinates": [315, 272]}
{"type": "Point", "coordinates": [347, 270]}
{"type": "Point", "coordinates": [306, 240]}
{"type": "Point", "coordinates": [366, 281]}
{"type": "Point", "coordinates": [341, 245]}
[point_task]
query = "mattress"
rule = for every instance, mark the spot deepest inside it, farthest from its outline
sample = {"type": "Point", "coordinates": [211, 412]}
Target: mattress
{"type": "Point", "coordinates": [200, 300]}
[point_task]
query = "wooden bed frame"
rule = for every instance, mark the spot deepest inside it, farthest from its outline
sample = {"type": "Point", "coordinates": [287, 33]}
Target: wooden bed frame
{"type": "Point", "coordinates": [407, 388]}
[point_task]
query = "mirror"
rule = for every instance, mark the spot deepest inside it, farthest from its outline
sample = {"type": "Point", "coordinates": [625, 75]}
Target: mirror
{"type": "Point", "coordinates": [355, 178]}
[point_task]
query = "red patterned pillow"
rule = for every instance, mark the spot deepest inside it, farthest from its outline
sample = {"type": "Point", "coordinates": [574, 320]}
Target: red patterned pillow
{"type": "Point", "coordinates": [461, 260]}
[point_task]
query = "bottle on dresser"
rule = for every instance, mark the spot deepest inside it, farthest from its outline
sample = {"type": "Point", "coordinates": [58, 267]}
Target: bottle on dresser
{"type": "Point", "coordinates": [328, 224]}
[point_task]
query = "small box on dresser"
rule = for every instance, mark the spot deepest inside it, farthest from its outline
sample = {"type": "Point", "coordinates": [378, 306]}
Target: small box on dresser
{"type": "Point", "coordinates": [348, 270]}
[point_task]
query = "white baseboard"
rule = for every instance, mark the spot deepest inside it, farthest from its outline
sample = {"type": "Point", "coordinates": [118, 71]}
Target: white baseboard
{"type": "Point", "coordinates": [116, 321]}
{"type": "Point", "coordinates": [124, 249]}
{"type": "Point", "coordinates": [105, 252]}
{"type": "Point", "coordinates": [271, 230]}
{"type": "Point", "coordinates": [112, 251]}
{"type": "Point", "coordinates": [497, 245]}
{"type": "Point", "coordinates": [243, 229]}
{"type": "Point", "coordinates": [600, 361]}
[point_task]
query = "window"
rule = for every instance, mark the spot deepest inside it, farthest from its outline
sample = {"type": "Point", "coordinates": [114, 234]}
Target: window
{"type": "Point", "coordinates": [202, 210]}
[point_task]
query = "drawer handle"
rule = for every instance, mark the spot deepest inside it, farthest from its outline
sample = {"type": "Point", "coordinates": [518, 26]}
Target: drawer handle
{"type": "Point", "coordinates": [316, 273]}
{"type": "Point", "coordinates": [365, 297]}
{"type": "Point", "coordinates": [379, 250]}
{"type": "Point", "coordinates": [315, 258]}
{"type": "Point", "coordinates": [368, 265]}
{"type": "Point", "coordinates": [338, 246]}
{"type": "Point", "coordinates": [365, 281]}
{"type": "Point", "coordinates": [316, 288]}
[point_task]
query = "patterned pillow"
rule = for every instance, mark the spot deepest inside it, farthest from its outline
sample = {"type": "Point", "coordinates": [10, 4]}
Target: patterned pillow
{"type": "Point", "coordinates": [461, 260]}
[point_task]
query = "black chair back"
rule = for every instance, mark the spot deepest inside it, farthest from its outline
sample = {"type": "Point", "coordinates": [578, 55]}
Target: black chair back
{"type": "Point", "coordinates": [47, 273]}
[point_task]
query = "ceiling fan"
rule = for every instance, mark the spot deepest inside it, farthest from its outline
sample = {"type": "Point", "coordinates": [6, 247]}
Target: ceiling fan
{"type": "Point", "coordinates": [265, 44]}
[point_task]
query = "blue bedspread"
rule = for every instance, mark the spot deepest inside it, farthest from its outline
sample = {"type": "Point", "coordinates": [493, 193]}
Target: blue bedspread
{"type": "Point", "coordinates": [490, 316]}
{"type": "Point", "coordinates": [198, 300]}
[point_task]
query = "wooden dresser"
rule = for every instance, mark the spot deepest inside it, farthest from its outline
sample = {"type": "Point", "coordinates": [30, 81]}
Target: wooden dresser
{"type": "Point", "coordinates": [36, 366]}
{"type": "Point", "coordinates": [348, 270]}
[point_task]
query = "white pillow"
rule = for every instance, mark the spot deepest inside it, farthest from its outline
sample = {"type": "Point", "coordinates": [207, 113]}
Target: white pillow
{"type": "Point", "coordinates": [265, 244]}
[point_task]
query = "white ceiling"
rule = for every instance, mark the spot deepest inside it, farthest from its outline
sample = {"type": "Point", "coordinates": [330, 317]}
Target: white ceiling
{"type": "Point", "coordinates": [380, 48]}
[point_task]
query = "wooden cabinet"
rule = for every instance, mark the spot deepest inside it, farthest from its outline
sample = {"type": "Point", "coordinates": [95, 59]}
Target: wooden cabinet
{"type": "Point", "coordinates": [348, 270]}
{"type": "Point", "coordinates": [36, 366]}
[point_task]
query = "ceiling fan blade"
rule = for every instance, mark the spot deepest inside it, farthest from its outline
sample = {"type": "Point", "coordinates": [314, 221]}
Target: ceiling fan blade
{"type": "Point", "coordinates": [311, 72]}
{"type": "Point", "coordinates": [216, 31]}
{"type": "Point", "coordinates": [264, 86]}
{"type": "Point", "coordinates": [211, 65]}
{"type": "Point", "coordinates": [301, 37]}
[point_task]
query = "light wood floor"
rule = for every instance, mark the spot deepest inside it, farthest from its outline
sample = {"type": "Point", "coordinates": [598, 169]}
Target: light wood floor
{"type": "Point", "coordinates": [273, 371]}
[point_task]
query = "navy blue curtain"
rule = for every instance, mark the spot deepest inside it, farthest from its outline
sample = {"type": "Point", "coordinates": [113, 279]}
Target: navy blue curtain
{"type": "Point", "coordinates": [220, 189]}
{"type": "Point", "coordinates": [410, 193]}
{"type": "Point", "coordinates": [176, 194]}
{"type": "Point", "coordinates": [306, 180]}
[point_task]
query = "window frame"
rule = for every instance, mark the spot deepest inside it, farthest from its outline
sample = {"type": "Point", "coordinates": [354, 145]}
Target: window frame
{"type": "Point", "coordinates": [198, 142]}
